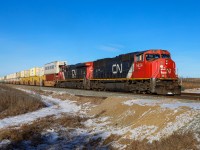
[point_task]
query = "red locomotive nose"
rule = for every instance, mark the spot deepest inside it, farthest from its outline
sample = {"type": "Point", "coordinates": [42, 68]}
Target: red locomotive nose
{"type": "Point", "coordinates": [166, 68]}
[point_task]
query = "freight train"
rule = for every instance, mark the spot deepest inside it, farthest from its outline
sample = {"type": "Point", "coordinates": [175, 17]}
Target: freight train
{"type": "Point", "coordinates": [149, 71]}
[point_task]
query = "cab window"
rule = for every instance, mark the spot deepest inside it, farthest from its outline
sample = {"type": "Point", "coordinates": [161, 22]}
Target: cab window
{"type": "Point", "coordinates": [165, 56]}
{"type": "Point", "coordinates": [150, 57]}
{"type": "Point", "coordinates": [139, 57]}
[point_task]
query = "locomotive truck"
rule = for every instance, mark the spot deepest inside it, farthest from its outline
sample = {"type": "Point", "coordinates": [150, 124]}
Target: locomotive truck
{"type": "Point", "coordinates": [149, 71]}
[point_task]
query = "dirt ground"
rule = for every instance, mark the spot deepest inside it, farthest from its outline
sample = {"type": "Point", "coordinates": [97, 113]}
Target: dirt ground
{"type": "Point", "coordinates": [114, 122]}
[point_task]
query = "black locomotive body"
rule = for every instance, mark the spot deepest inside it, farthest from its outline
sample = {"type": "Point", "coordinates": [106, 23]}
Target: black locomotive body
{"type": "Point", "coordinates": [113, 68]}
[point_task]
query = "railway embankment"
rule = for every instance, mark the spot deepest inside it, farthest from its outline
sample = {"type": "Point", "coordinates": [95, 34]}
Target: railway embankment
{"type": "Point", "coordinates": [81, 119]}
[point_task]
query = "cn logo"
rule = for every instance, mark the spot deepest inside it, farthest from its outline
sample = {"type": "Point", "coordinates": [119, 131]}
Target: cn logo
{"type": "Point", "coordinates": [139, 65]}
{"type": "Point", "coordinates": [73, 73]}
{"type": "Point", "coordinates": [116, 68]}
{"type": "Point", "coordinates": [169, 70]}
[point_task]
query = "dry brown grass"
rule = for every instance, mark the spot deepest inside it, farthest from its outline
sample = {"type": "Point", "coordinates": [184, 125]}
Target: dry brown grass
{"type": "Point", "coordinates": [176, 141]}
{"type": "Point", "coordinates": [190, 83]}
{"type": "Point", "coordinates": [111, 138]}
{"type": "Point", "coordinates": [33, 131]}
{"type": "Point", "coordinates": [15, 102]}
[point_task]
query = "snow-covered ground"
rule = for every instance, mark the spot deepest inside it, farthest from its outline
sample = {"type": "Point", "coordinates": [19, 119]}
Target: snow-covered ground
{"type": "Point", "coordinates": [54, 107]}
{"type": "Point", "coordinates": [136, 118]}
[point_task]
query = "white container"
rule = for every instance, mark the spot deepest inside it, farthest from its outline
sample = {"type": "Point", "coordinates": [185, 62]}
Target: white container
{"type": "Point", "coordinates": [22, 74]}
{"type": "Point", "coordinates": [18, 74]}
{"type": "Point", "coordinates": [9, 76]}
{"type": "Point", "coordinates": [26, 73]}
{"type": "Point", "coordinates": [14, 76]}
{"type": "Point", "coordinates": [41, 71]}
{"type": "Point", "coordinates": [34, 72]}
{"type": "Point", "coordinates": [53, 67]}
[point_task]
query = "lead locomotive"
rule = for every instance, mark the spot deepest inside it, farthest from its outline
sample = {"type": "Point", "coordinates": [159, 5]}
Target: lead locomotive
{"type": "Point", "coordinates": [150, 71]}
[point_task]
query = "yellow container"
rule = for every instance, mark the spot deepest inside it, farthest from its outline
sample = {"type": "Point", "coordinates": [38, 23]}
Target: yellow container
{"type": "Point", "coordinates": [36, 76]}
{"type": "Point", "coordinates": [33, 80]}
{"type": "Point", "coordinates": [37, 80]}
{"type": "Point", "coordinates": [27, 73]}
{"type": "Point", "coordinates": [23, 81]}
{"type": "Point", "coordinates": [27, 81]}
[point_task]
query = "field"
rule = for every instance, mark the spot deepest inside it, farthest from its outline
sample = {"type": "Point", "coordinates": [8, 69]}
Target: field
{"type": "Point", "coordinates": [190, 83]}
{"type": "Point", "coordinates": [73, 119]}
{"type": "Point", "coordinates": [15, 102]}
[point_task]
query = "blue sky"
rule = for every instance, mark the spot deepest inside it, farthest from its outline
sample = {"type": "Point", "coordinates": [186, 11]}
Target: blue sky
{"type": "Point", "coordinates": [35, 32]}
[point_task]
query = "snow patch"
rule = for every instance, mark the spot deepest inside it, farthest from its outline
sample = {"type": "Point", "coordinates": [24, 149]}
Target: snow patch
{"type": "Point", "coordinates": [171, 104]}
{"type": "Point", "coordinates": [97, 122]}
{"type": "Point", "coordinates": [180, 122]}
{"type": "Point", "coordinates": [55, 107]}
{"type": "Point", "coordinates": [142, 132]}
{"type": "Point", "coordinates": [4, 143]}
{"type": "Point", "coordinates": [181, 104]}
{"type": "Point", "coordinates": [50, 136]}
{"type": "Point", "coordinates": [141, 102]}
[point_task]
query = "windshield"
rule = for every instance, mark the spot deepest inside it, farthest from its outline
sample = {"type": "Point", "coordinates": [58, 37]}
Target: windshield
{"type": "Point", "coordinates": [150, 57]}
{"type": "Point", "coordinates": [165, 55]}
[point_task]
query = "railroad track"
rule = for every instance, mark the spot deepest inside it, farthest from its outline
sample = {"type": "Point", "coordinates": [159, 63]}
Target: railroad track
{"type": "Point", "coordinates": [192, 96]}
{"type": "Point", "coordinates": [104, 94]}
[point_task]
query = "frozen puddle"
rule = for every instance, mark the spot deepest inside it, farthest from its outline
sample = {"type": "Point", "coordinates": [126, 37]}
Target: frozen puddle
{"type": "Point", "coordinates": [54, 107]}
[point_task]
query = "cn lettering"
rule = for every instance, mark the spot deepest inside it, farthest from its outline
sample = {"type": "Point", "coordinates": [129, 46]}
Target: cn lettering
{"type": "Point", "coordinates": [73, 73]}
{"type": "Point", "coordinates": [116, 68]}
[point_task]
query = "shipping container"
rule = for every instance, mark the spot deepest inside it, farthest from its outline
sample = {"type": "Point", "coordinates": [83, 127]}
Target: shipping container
{"type": "Point", "coordinates": [54, 67]}
{"type": "Point", "coordinates": [26, 81]}
{"type": "Point", "coordinates": [22, 74]}
{"type": "Point", "coordinates": [27, 73]}
{"type": "Point", "coordinates": [1, 79]}
{"type": "Point", "coordinates": [18, 74]}
{"type": "Point", "coordinates": [9, 76]}
{"type": "Point", "coordinates": [41, 73]}
{"type": "Point", "coordinates": [34, 71]}
{"type": "Point", "coordinates": [14, 75]}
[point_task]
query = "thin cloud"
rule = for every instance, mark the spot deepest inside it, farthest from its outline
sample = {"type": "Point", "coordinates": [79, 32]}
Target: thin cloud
{"type": "Point", "coordinates": [111, 47]}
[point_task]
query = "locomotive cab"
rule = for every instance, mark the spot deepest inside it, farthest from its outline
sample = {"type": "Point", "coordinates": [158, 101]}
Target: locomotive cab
{"type": "Point", "coordinates": [160, 68]}
{"type": "Point", "coordinates": [157, 67]}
